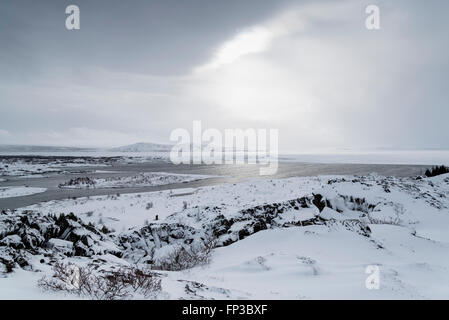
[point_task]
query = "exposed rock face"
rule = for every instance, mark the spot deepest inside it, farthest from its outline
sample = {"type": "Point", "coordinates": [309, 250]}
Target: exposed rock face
{"type": "Point", "coordinates": [29, 233]}
{"type": "Point", "coordinates": [255, 219]}
{"type": "Point", "coordinates": [140, 244]}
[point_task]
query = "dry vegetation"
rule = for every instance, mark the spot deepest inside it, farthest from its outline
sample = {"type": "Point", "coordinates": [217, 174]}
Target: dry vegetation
{"type": "Point", "coordinates": [186, 257]}
{"type": "Point", "coordinates": [111, 285]}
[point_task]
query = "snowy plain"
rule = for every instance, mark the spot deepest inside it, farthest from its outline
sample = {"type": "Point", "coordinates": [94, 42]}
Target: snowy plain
{"type": "Point", "coordinates": [9, 192]}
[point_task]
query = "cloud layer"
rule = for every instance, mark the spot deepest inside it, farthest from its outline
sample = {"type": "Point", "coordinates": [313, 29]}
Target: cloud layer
{"type": "Point", "coordinates": [311, 70]}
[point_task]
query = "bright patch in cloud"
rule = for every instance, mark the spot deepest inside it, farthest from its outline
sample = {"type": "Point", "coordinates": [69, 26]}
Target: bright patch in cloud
{"type": "Point", "coordinates": [251, 41]}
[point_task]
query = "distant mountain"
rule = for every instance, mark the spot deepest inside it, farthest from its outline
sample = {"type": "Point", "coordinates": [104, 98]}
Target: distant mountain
{"type": "Point", "coordinates": [143, 147]}
{"type": "Point", "coordinates": [28, 148]}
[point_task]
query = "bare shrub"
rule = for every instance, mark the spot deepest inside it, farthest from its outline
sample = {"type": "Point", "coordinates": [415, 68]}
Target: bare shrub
{"type": "Point", "coordinates": [183, 257]}
{"type": "Point", "coordinates": [111, 285]}
{"type": "Point", "coordinates": [394, 221]}
{"type": "Point", "coordinates": [139, 280]}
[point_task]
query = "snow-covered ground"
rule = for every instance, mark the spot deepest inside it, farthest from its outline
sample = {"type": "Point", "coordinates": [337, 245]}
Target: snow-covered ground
{"type": "Point", "coordinates": [23, 168]}
{"type": "Point", "coordinates": [129, 210]}
{"type": "Point", "coordinates": [147, 179]}
{"type": "Point", "coordinates": [36, 166]}
{"type": "Point", "coordinates": [295, 238]}
{"type": "Point", "coordinates": [9, 192]}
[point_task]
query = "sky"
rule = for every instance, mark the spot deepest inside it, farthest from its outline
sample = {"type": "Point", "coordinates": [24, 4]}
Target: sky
{"type": "Point", "coordinates": [137, 70]}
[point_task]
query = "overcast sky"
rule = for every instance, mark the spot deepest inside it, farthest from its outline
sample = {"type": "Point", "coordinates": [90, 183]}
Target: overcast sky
{"type": "Point", "coordinates": [138, 69]}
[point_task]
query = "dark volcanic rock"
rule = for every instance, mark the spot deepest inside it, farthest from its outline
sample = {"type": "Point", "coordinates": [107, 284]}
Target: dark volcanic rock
{"type": "Point", "coordinates": [29, 232]}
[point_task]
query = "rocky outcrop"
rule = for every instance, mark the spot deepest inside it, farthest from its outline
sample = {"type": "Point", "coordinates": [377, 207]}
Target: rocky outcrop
{"type": "Point", "coordinates": [78, 182]}
{"type": "Point", "coordinates": [141, 244]}
{"type": "Point", "coordinates": [30, 233]}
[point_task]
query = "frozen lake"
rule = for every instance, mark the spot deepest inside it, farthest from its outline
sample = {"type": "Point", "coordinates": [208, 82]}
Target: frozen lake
{"type": "Point", "coordinates": [227, 173]}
